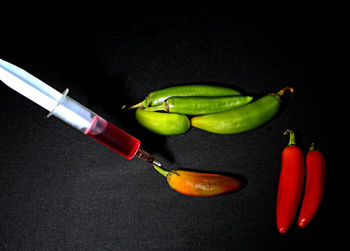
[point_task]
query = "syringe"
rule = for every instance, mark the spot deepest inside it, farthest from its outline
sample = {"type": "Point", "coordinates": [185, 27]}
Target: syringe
{"type": "Point", "coordinates": [73, 113]}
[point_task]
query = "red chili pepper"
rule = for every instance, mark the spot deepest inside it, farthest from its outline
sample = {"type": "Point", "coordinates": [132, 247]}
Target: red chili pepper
{"type": "Point", "coordinates": [290, 184]}
{"type": "Point", "coordinates": [315, 178]}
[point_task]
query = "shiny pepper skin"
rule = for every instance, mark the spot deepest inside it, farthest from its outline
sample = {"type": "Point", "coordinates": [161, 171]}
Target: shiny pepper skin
{"type": "Point", "coordinates": [200, 184]}
{"type": "Point", "coordinates": [201, 105]}
{"type": "Point", "coordinates": [243, 118]}
{"type": "Point", "coordinates": [157, 97]}
{"type": "Point", "coordinates": [290, 184]}
{"type": "Point", "coordinates": [315, 179]}
{"type": "Point", "coordinates": [163, 123]}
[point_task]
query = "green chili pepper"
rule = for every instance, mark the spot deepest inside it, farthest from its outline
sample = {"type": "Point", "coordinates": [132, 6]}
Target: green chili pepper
{"type": "Point", "coordinates": [157, 97]}
{"type": "Point", "coordinates": [243, 118]}
{"type": "Point", "coordinates": [200, 105]}
{"type": "Point", "coordinates": [163, 123]}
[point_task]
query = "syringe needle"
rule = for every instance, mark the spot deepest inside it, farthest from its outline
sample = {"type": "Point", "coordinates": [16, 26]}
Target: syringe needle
{"type": "Point", "coordinates": [147, 157]}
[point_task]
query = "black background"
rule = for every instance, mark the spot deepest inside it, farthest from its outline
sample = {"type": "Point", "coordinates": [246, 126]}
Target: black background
{"type": "Point", "coordinates": [60, 190]}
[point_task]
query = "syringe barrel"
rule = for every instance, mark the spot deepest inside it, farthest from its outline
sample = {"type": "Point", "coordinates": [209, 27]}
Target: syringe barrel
{"type": "Point", "coordinates": [89, 123]}
{"type": "Point", "coordinates": [73, 113]}
{"type": "Point", "coordinates": [68, 110]}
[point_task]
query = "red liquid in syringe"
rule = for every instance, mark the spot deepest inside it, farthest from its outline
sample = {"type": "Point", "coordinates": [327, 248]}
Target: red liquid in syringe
{"type": "Point", "coordinates": [113, 137]}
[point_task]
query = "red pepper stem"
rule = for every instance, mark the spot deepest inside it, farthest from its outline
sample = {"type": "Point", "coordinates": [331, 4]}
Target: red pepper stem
{"type": "Point", "coordinates": [291, 137]}
{"type": "Point", "coordinates": [312, 147]}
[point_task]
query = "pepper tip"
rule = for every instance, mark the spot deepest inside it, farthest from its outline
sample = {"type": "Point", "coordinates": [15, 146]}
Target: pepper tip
{"type": "Point", "coordinates": [282, 230]}
{"type": "Point", "coordinates": [302, 222]}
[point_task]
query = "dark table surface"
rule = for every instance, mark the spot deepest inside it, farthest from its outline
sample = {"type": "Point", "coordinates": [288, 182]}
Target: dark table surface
{"type": "Point", "coordinates": [60, 190]}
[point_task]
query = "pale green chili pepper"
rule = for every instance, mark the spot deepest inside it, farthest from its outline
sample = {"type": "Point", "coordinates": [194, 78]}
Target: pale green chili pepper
{"type": "Point", "coordinates": [163, 123]}
{"type": "Point", "coordinates": [157, 97]}
{"type": "Point", "coordinates": [200, 105]}
{"type": "Point", "coordinates": [243, 118]}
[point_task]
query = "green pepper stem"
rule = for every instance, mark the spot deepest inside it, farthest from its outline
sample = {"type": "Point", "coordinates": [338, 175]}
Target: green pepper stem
{"type": "Point", "coordinates": [291, 137]}
{"type": "Point", "coordinates": [161, 171]}
{"type": "Point", "coordinates": [281, 92]}
{"type": "Point", "coordinates": [155, 108]}
{"type": "Point", "coordinates": [163, 107]}
{"type": "Point", "coordinates": [142, 104]}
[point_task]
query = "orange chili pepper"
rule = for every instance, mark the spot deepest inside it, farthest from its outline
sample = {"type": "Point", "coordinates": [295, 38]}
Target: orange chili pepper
{"type": "Point", "coordinates": [200, 184]}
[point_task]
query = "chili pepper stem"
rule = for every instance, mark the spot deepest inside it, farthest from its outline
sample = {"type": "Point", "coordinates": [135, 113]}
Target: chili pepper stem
{"type": "Point", "coordinates": [142, 104]}
{"type": "Point", "coordinates": [312, 147]}
{"type": "Point", "coordinates": [281, 92]}
{"type": "Point", "coordinates": [157, 108]}
{"type": "Point", "coordinates": [291, 137]}
{"type": "Point", "coordinates": [162, 171]}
